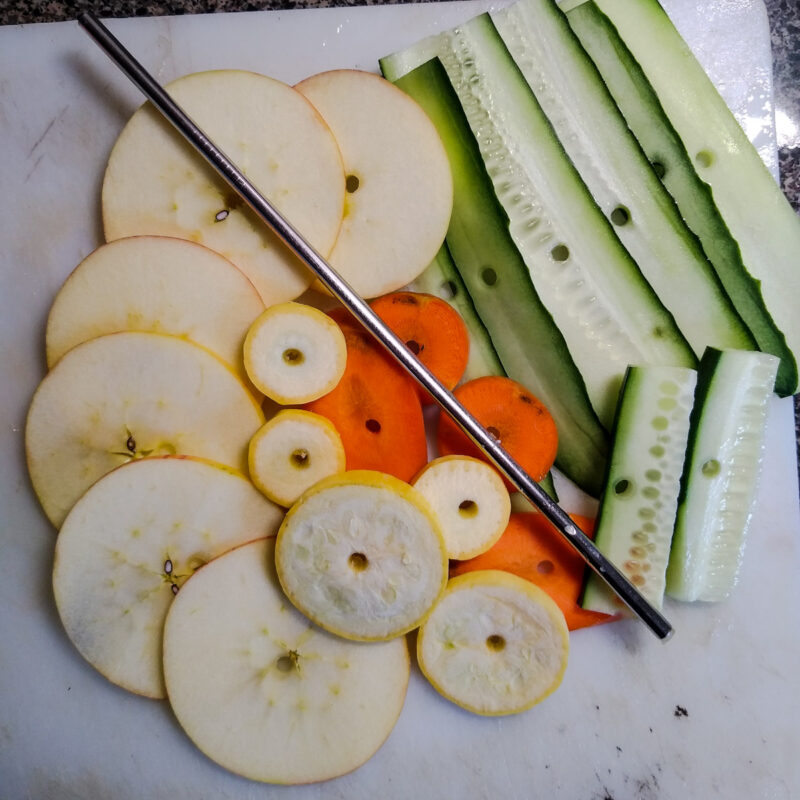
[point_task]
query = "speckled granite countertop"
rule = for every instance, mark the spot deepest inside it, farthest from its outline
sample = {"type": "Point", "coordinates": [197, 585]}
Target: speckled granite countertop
{"type": "Point", "coordinates": [784, 17]}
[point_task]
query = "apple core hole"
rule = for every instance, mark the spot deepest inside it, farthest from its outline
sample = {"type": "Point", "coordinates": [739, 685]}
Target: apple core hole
{"type": "Point", "coordinates": [285, 664]}
{"type": "Point", "coordinates": [413, 346]}
{"type": "Point", "coordinates": [293, 357]}
{"type": "Point", "coordinates": [358, 561]}
{"type": "Point", "coordinates": [495, 642]}
{"type": "Point", "coordinates": [351, 183]}
{"type": "Point", "coordinates": [300, 458]}
{"type": "Point", "coordinates": [560, 252]}
{"type": "Point", "coordinates": [373, 426]}
{"type": "Point", "coordinates": [545, 567]}
{"type": "Point", "coordinates": [468, 508]}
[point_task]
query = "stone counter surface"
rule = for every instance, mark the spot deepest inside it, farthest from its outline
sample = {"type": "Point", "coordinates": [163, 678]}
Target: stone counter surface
{"type": "Point", "coordinates": [784, 17]}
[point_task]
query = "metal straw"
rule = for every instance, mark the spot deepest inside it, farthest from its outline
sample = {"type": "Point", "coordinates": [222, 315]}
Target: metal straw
{"type": "Point", "coordinates": [364, 314]}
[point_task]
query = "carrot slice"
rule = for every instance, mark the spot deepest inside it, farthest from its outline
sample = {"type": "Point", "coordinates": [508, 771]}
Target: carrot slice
{"type": "Point", "coordinates": [375, 408]}
{"type": "Point", "coordinates": [432, 330]}
{"type": "Point", "coordinates": [511, 414]}
{"type": "Point", "coordinates": [532, 549]}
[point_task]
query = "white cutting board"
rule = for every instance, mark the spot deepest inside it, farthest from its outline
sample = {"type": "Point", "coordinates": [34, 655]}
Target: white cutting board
{"type": "Point", "coordinates": [613, 730]}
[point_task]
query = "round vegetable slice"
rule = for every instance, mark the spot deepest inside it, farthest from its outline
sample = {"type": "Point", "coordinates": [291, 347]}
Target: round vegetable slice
{"type": "Point", "coordinates": [294, 353]}
{"type": "Point", "coordinates": [293, 451]}
{"type": "Point", "coordinates": [128, 395]}
{"type": "Point", "coordinates": [130, 543]}
{"type": "Point", "coordinates": [156, 184]}
{"type": "Point", "coordinates": [494, 644]}
{"type": "Point", "coordinates": [362, 555]}
{"type": "Point", "coordinates": [470, 501]}
{"type": "Point", "coordinates": [265, 693]}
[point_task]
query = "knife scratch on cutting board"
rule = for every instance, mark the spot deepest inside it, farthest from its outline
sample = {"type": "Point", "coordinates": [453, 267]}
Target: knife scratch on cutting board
{"type": "Point", "coordinates": [47, 130]}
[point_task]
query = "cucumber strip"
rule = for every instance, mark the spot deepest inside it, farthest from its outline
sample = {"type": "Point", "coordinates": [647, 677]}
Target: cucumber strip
{"type": "Point", "coordinates": [637, 511]}
{"type": "Point", "coordinates": [720, 480]}
{"type": "Point", "coordinates": [607, 312]}
{"type": "Point", "coordinates": [747, 228]}
{"type": "Point", "coordinates": [617, 173]}
{"type": "Point", "coordinates": [442, 280]}
{"type": "Point", "coordinates": [530, 346]}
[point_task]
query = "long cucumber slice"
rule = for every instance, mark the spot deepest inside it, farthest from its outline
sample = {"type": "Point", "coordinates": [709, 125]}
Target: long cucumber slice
{"type": "Point", "coordinates": [608, 313]}
{"type": "Point", "coordinates": [723, 189]}
{"type": "Point", "coordinates": [726, 449]}
{"type": "Point", "coordinates": [530, 346]}
{"type": "Point", "coordinates": [614, 167]}
{"type": "Point", "coordinates": [636, 517]}
{"type": "Point", "coordinates": [441, 279]}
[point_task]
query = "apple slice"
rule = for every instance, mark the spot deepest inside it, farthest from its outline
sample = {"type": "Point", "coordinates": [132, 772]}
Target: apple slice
{"type": "Point", "coordinates": [399, 185]}
{"type": "Point", "coordinates": [157, 284]}
{"type": "Point", "coordinates": [469, 499]}
{"type": "Point", "coordinates": [156, 184]}
{"type": "Point", "coordinates": [294, 353]}
{"type": "Point", "coordinates": [262, 691]}
{"type": "Point", "coordinates": [292, 452]}
{"type": "Point", "coordinates": [127, 395]}
{"type": "Point", "coordinates": [129, 544]}
{"type": "Point", "coordinates": [494, 644]}
{"type": "Point", "coordinates": [361, 554]}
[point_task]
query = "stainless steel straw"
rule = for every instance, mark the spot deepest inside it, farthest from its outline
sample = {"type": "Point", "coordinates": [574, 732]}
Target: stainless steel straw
{"type": "Point", "coordinates": [364, 314]}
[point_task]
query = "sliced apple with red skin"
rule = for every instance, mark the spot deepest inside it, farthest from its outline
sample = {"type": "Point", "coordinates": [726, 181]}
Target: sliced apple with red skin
{"type": "Point", "coordinates": [157, 284]}
{"type": "Point", "coordinates": [156, 184]}
{"type": "Point", "coordinates": [131, 542]}
{"type": "Point", "coordinates": [399, 185]}
{"type": "Point", "coordinates": [129, 395]}
{"type": "Point", "coordinates": [264, 692]}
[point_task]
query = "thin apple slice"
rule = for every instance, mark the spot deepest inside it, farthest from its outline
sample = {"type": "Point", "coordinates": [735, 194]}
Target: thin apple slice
{"type": "Point", "coordinates": [157, 284]}
{"type": "Point", "coordinates": [361, 554]}
{"type": "Point", "coordinates": [292, 452]}
{"type": "Point", "coordinates": [294, 353]}
{"type": "Point", "coordinates": [156, 184]}
{"type": "Point", "coordinates": [125, 396]}
{"type": "Point", "coordinates": [131, 542]}
{"type": "Point", "coordinates": [400, 189]}
{"type": "Point", "coordinates": [494, 644]}
{"type": "Point", "coordinates": [469, 499]}
{"type": "Point", "coordinates": [262, 691]}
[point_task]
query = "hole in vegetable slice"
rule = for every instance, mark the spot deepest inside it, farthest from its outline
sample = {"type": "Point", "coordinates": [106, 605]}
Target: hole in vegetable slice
{"type": "Point", "coordinates": [622, 486]}
{"type": "Point", "coordinates": [300, 458]}
{"type": "Point", "coordinates": [351, 183]}
{"type": "Point", "coordinates": [494, 433]}
{"type": "Point", "coordinates": [495, 642]}
{"type": "Point", "coordinates": [545, 567]}
{"type": "Point", "coordinates": [710, 468]}
{"type": "Point", "coordinates": [287, 662]}
{"type": "Point", "coordinates": [659, 169]}
{"type": "Point", "coordinates": [373, 426]}
{"type": "Point", "coordinates": [620, 216]}
{"type": "Point", "coordinates": [704, 159]}
{"type": "Point", "coordinates": [221, 215]}
{"type": "Point", "coordinates": [468, 508]}
{"type": "Point", "coordinates": [560, 252]}
{"type": "Point", "coordinates": [448, 290]}
{"type": "Point", "coordinates": [413, 347]}
{"type": "Point", "coordinates": [358, 561]}
{"type": "Point", "coordinates": [293, 357]}
{"type": "Point", "coordinates": [489, 276]}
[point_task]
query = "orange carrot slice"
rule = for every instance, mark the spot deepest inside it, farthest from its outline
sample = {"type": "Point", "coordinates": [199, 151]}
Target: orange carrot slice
{"type": "Point", "coordinates": [512, 415]}
{"type": "Point", "coordinates": [375, 408]}
{"type": "Point", "coordinates": [432, 330]}
{"type": "Point", "coordinates": [532, 549]}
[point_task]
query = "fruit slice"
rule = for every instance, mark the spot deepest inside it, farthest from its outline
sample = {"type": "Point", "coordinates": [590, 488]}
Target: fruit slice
{"type": "Point", "coordinates": [155, 183]}
{"type": "Point", "coordinates": [156, 284]}
{"type": "Point", "coordinates": [293, 451]}
{"type": "Point", "coordinates": [399, 188]}
{"type": "Point", "coordinates": [265, 693]}
{"type": "Point", "coordinates": [362, 555]}
{"type": "Point", "coordinates": [294, 353]}
{"type": "Point", "coordinates": [128, 546]}
{"type": "Point", "coordinates": [432, 330]}
{"type": "Point", "coordinates": [470, 501]}
{"type": "Point", "coordinates": [375, 407]}
{"type": "Point", "coordinates": [494, 644]}
{"type": "Point", "coordinates": [127, 395]}
{"type": "Point", "coordinates": [512, 415]}
{"type": "Point", "coordinates": [531, 548]}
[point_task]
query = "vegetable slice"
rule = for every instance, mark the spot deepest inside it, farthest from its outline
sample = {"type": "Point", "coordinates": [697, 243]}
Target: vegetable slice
{"type": "Point", "coordinates": [720, 478]}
